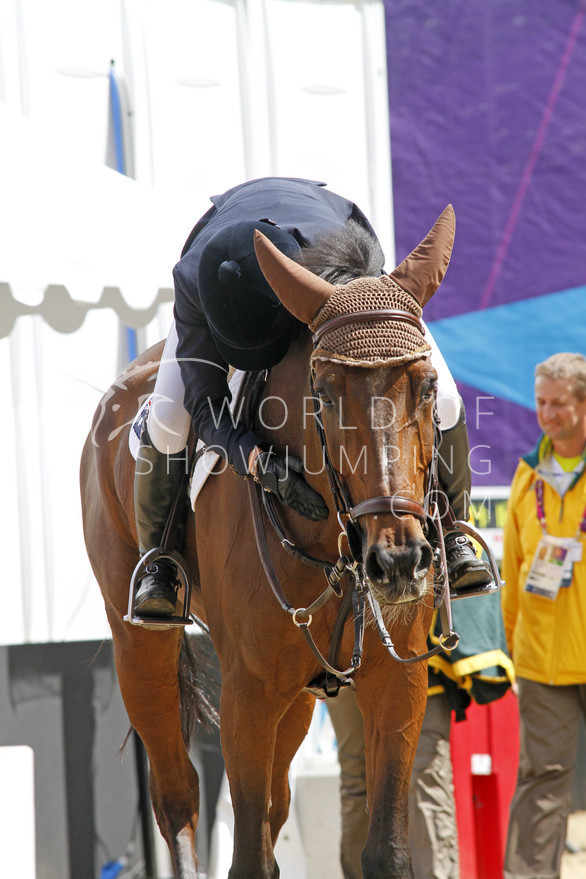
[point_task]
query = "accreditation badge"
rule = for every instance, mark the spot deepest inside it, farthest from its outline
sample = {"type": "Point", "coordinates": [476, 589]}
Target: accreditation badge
{"type": "Point", "coordinates": [552, 565]}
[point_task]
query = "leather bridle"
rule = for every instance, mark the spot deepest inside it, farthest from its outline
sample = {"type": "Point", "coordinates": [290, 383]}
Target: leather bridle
{"type": "Point", "coordinates": [358, 590]}
{"type": "Point", "coordinates": [396, 505]}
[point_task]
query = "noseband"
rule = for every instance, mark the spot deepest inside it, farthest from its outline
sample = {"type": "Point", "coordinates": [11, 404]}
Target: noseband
{"type": "Point", "coordinates": [396, 505]}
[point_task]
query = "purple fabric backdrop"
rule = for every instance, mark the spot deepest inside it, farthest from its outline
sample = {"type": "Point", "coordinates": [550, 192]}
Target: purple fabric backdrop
{"type": "Point", "coordinates": [487, 112]}
{"type": "Point", "coordinates": [495, 425]}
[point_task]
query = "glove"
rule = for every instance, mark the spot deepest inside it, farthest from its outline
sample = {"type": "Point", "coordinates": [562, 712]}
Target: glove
{"type": "Point", "coordinates": [279, 475]}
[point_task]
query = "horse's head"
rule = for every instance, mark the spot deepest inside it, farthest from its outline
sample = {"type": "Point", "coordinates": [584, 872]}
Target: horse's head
{"type": "Point", "coordinates": [375, 384]}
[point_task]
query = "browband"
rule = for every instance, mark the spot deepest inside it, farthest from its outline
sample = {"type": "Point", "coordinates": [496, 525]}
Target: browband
{"type": "Point", "coordinates": [364, 316]}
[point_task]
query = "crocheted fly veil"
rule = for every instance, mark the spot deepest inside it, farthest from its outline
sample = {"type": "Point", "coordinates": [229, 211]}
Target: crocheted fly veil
{"type": "Point", "coordinates": [374, 338]}
{"type": "Point", "coordinates": [376, 342]}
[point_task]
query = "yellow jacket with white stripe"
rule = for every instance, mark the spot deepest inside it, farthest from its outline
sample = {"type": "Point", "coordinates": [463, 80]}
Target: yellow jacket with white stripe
{"type": "Point", "coordinates": [546, 638]}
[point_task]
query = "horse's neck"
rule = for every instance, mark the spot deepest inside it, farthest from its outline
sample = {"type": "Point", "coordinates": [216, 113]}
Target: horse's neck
{"type": "Point", "coordinates": [291, 409]}
{"type": "Point", "coordinates": [287, 404]}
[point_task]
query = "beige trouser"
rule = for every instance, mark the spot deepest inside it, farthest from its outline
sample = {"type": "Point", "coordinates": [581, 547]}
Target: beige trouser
{"type": "Point", "coordinates": [432, 823]}
{"type": "Point", "coordinates": [550, 719]}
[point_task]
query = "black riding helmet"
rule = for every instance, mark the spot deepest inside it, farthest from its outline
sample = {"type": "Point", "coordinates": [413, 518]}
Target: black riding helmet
{"type": "Point", "coordinates": [250, 327]}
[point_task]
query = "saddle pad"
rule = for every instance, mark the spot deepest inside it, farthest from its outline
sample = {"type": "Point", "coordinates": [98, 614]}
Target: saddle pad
{"type": "Point", "coordinates": [136, 428]}
{"type": "Point", "coordinates": [210, 458]}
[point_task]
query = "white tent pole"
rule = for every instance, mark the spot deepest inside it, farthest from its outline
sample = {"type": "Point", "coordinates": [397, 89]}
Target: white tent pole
{"type": "Point", "coordinates": [377, 124]}
{"type": "Point", "coordinates": [22, 494]}
{"type": "Point", "coordinates": [45, 470]}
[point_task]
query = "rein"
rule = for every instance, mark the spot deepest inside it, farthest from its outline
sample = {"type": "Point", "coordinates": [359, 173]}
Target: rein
{"type": "Point", "coordinates": [303, 616]}
{"type": "Point", "coordinates": [358, 589]}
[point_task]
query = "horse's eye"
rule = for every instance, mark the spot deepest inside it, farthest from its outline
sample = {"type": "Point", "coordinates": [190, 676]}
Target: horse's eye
{"type": "Point", "coordinates": [428, 391]}
{"type": "Point", "coordinates": [325, 394]}
{"type": "Point", "coordinates": [324, 398]}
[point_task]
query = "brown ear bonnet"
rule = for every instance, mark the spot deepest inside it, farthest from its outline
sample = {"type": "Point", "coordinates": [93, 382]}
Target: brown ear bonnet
{"type": "Point", "coordinates": [375, 342]}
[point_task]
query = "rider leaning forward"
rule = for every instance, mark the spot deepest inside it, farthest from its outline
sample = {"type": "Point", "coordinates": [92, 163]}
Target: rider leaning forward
{"type": "Point", "coordinates": [227, 315]}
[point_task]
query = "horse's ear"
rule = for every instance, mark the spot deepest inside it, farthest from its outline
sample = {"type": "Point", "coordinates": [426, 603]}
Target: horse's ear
{"type": "Point", "coordinates": [301, 292]}
{"type": "Point", "coordinates": [423, 270]}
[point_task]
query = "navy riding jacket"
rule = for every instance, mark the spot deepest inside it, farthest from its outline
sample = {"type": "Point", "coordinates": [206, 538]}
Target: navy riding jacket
{"type": "Point", "coordinates": [304, 209]}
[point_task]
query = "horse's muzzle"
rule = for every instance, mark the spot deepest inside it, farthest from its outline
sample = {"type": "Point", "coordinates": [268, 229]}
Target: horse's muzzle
{"type": "Point", "coordinates": [398, 574]}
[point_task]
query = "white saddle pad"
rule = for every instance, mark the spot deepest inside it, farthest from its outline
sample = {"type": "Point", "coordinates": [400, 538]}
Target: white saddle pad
{"type": "Point", "coordinates": [209, 460]}
{"type": "Point", "coordinates": [136, 428]}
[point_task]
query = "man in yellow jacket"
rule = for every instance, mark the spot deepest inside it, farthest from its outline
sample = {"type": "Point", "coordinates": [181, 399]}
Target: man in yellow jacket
{"type": "Point", "coordinates": [544, 612]}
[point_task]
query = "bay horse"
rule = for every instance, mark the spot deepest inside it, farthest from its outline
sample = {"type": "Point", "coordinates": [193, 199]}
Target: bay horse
{"type": "Point", "coordinates": [363, 358]}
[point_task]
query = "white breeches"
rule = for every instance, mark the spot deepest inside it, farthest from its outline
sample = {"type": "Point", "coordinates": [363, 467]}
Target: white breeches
{"type": "Point", "coordinates": [449, 403]}
{"type": "Point", "coordinates": [169, 422]}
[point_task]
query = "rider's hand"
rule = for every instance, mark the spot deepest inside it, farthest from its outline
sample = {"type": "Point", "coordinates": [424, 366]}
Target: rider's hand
{"type": "Point", "coordinates": [280, 475]}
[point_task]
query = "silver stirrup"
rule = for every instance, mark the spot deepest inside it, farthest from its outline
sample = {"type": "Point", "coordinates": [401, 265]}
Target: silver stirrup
{"type": "Point", "coordinates": [141, 569]}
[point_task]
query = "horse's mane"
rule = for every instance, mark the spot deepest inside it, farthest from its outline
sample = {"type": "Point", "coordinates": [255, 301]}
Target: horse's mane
{"type": "Point", "coordinates": [345, 254]}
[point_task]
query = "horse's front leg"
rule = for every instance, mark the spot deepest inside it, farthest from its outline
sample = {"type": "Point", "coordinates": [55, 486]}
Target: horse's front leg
{"type": "Point", "coordinates": [147, 672]}
{"type": "Point", "coordinates": [250, 716]}
{"type": "Point", "coordinates": [291, 731]}
{"type": "Point", "coordinates": [392, 723]}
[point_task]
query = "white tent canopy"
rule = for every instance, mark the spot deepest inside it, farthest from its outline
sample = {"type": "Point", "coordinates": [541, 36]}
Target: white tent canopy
{"type": "Point", "coordinates": [220, 91]}
{"type": "Point", "coordinates": [67, 223]}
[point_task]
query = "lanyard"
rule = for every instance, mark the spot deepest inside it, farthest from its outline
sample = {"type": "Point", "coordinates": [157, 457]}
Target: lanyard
{"type": "Point", "coordinates": [541, 510]}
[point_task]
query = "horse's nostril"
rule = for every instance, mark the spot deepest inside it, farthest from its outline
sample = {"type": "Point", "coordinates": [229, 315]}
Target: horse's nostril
{"type": "Point", "coordinates": [382, 566]}
{"type": "Point", "coordinates": [425, 559]}
{"type": "Point", "coordinates": [377, 568]}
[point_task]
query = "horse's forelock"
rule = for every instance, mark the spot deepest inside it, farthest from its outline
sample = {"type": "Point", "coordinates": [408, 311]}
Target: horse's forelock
{"type": "Point", "coordinates": [352, 259]}
{"type": "Point", "coordinates": [345, 254]}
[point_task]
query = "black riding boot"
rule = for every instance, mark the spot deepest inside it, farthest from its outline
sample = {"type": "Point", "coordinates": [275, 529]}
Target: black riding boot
{"type": "Point", "coordinates": [465, 569]}
{"type": "Point", "coordinates": [157, 480]}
